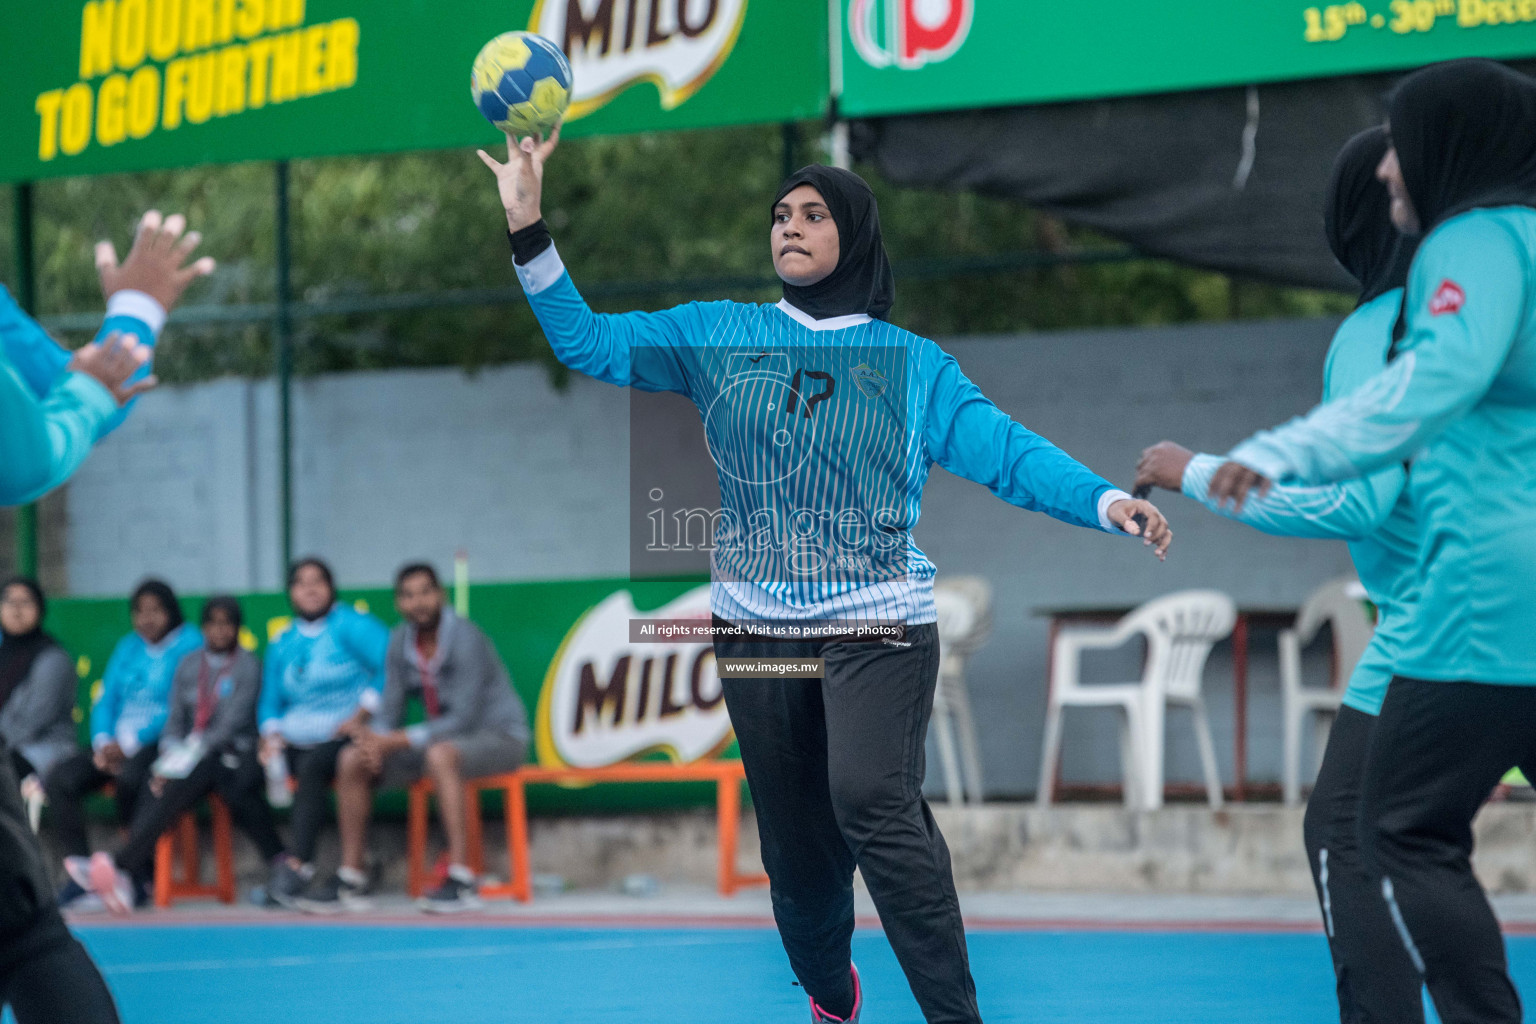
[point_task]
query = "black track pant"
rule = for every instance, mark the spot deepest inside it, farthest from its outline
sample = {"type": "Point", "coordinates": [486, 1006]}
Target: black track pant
{"type": "Point", "coordinates": [836, 768]}
{"type": "Point", "coordinates": [77, 777]}
{"type": "Point", "coordinates": [236, 776]}
{"type": "Point", "coordinates": [1377, 982]}
{"type": "Point", "coordinates": [1439, 749]}
{"type": "Point", "coordinates": [47, 977]}
{"type": "Point", "coordinates": [314, 769]}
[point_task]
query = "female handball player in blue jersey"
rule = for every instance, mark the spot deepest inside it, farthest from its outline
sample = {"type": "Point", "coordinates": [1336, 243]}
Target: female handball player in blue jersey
{"type": "Point", "coordinates": [824, 420]}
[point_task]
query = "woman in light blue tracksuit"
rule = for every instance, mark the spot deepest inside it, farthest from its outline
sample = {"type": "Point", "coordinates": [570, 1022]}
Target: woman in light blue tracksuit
{"type": "Point", "coordinates": [1375, 978]}
{"type": "Point", "coordinates": [323, 678]}
{"type": "Point", "coordinates": [1459, 401]}
{"type": "Point", "coordinates": [126, 720]}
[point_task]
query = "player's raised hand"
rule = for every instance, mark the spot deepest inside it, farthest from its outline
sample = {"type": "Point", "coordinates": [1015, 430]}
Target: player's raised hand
{"type": "Point", "coordinates": [520, 180]}
{"type": "Point", "coordinates": [1232, 483]}
{"type": "Point", "coordinates": [1156, 532]}
{"type": "Point", "coordinates": [112, 362]}
{"type": "Point", "coordinates": [157, 263]}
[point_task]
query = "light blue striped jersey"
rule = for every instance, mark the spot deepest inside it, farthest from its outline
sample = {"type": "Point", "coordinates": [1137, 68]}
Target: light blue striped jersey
{"type": "Point", "coordinates": [136, 688]}
{"type": "Point", "coordinates": [1374, 513]}
{"type": "Point", "coordinates": [317, 674]}
{"type": "Point", "coordinates": [1460, 400]}
{"type": "Point", "coordinates": [823, 433]}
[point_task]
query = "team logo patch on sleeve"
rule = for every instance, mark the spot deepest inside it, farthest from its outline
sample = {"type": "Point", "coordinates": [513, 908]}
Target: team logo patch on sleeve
{"type": "Point", "coordinates": [1448, 298]}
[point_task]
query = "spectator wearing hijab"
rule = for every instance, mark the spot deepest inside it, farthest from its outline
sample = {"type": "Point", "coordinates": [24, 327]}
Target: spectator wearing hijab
{"type": "Point", "coordinates": [1459, 401]}
{"type": "Point", "coordinates": [37, 685]}
{"type": "Point", "coordinates": [209, 746]}
{"type": "Point", "coordinates": [126, 720]}
{"type": "Point", "coordinates": [323, 678]}
{"type": "Point", "coordinates": [834, 774]}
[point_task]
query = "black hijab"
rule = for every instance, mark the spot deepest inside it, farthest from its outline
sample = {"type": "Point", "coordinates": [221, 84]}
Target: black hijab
{"type": "Point", "coordinates": [19, 650]}
{"type": "Point", "coordinates": [861, 282]}
{"type": "Point", "coordinates": [165, 597]}
{"type": "Point", "coordinates": [1357, 218]}
{"type": "Point", "coordinates": [1465, 134]}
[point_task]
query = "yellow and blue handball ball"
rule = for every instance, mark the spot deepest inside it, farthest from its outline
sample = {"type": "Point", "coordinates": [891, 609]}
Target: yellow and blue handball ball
{"type": "Point", "coordinates": [521, 82]}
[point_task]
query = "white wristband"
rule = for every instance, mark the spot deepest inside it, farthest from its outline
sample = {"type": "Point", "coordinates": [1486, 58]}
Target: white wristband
{"type": "Point", "coordinates": [138, 305]}
{"type": "Point", "coordinates": [1107, 499]}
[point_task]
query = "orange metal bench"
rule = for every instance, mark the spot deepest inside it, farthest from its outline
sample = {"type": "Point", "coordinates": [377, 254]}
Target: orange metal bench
{"type": "Point", "coordinates": [179, 842]}
{"type": "Point", "coordinates": [727, 776]}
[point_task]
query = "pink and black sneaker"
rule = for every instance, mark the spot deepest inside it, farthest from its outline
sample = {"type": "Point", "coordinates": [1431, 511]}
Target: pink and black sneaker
{"type": "Point", "coordinates": [820, 1016]}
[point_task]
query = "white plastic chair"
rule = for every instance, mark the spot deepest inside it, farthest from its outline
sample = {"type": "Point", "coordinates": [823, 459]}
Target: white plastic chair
{"type": "Point", "coordinates": [965, 619]}
{"type": "Point", "coordinates": [1180, 630]}
{"type": "Point", "coordinates": [1336, 603]}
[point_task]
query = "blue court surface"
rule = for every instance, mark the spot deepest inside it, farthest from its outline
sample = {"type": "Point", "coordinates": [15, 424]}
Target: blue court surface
{"type": "Point", "coordinates": [450, 974]}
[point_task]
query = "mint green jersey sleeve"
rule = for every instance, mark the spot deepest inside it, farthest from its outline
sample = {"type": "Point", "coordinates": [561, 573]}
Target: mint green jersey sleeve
{"type": "Point", "coordinates": [43, 441]}
{"type": "Point", "coordinates": [1466, 302]}
{"type": "Point", "coordinates": [1348, 510]}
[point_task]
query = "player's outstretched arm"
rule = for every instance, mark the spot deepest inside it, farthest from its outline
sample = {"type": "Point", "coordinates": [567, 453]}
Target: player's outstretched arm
{"type": "Point", "coordinates": [43, 442]}
{"type": "Point", "coordinates": [37, 359]}
{"type": "Point", "coordinates": [1346, 511]}
{"type": "Point", "coordinates": [1464, 308]}
{"type": "Point", "coordinates": [139, 293]}
{"type": "Point", "coordinates": [971, 437]}
{"type": "Point", "coordinates": [642, 350]}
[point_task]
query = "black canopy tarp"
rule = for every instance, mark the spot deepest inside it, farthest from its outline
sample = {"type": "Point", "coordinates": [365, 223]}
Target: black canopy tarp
{"type": "Point", "coordinates": [1228, 179]}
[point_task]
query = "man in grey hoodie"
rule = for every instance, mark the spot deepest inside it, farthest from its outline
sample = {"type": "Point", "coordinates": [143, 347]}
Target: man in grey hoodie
{"type": "Point", "coordinates": [475, 726]}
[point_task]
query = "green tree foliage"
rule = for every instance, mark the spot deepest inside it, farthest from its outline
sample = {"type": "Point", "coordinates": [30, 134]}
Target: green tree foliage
{"type": "Point", "coordinates": [685, 209]}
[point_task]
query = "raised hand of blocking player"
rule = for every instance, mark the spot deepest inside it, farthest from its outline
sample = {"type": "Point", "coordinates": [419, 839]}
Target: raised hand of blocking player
{"type": "Point", "coordinates": [112, 362]}
{"type": "Point", "coordinates": [521, 179]}
{"type": "Point", "coordinates": [157, 263]}
{"type": "Point", "coordinates": [1156, 533]}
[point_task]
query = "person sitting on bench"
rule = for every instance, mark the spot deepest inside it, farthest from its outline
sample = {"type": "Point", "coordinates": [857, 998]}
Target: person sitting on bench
{"type": "Point", "coordinates": [475, 726]}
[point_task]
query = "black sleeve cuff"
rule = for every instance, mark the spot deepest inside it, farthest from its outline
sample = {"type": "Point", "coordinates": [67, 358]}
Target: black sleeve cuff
{"type": "Point", "coordinates": [528, 242]}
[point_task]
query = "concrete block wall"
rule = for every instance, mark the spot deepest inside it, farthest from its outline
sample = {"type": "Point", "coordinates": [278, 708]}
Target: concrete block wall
{"type": "Point", "coordinates": [530, 480]}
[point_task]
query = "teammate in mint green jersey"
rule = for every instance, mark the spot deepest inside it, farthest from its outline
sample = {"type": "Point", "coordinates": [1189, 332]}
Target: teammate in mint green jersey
{"type": "Point", "coordinates": [1459, 401]}
{"type": "Point", "coordinates": [1376, 978]}
{"type": "Point", "coordinates": [824, 421]}
{"type": "Point", "coordinates": [54, 407]}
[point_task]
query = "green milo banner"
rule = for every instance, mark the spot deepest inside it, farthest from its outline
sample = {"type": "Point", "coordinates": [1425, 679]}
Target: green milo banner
{"type": "Point", "coordinates": [902, 56]}
{"type": "Point", "coordinates": [594, 696]}
{"type": "Point", "coordinates": [125, 85]}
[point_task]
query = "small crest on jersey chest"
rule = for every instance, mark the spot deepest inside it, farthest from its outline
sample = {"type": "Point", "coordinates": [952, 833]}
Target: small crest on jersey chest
{"type": "Point", "coordinates": [870, 381]}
